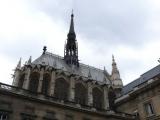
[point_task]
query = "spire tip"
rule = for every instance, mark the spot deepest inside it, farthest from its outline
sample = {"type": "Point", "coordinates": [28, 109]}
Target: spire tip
{"type": "Point", "coordinates": [72, 15]}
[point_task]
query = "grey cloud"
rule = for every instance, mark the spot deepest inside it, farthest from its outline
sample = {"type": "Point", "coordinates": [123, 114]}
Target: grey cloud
{"type": "Point", "coordinates": [104, 23]}
{"type": "Point", "coordinates": [24, 46]}
{"type": "Point", "coordinates": [111, 22]}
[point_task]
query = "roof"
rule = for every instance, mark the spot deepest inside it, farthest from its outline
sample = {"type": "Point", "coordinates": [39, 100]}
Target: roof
{"type": "Point", "coordinates": [83, 70]}
{"type": "Point", "coordinates": [142, 79]}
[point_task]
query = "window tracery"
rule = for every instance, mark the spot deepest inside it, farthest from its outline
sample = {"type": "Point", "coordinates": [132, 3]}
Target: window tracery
{"type": "Point", "coordinates": [34, 80]}
{"type": "Point", "coordinates": [46, 82]}
{"type": "Point", "coordinates": [61, 89]}
{"type": "Point", "coordinates": [21, 80]}
{"type": "Point", "coordinates": [80, 94]}
{"type": "Point", "coordinates": [97, 98]}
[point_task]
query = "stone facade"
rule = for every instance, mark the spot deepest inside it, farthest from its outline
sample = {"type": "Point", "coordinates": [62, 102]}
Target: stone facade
{"type": "Point", "coordinates": [143, 100]}
{"type": "Point", "coordinates": [60, 88]}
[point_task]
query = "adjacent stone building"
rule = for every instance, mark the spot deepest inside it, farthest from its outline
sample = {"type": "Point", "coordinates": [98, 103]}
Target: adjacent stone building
{"type": "Point", "coordinates": [60, 88]}
{"type": "Point", "coordinates": [142, 96]}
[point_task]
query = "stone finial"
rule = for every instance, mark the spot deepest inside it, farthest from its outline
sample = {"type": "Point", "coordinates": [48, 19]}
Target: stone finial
{"type": "Point", "coordinates": [19, 64]}
{"type": "Point", "coordinates": [114, 66]}
{"type": "Point", "coordinates": [113, 60]}
{"type": "Point", "coordinates": [44, 49]}
{"type": "Point", "coordinates": [30, 60]}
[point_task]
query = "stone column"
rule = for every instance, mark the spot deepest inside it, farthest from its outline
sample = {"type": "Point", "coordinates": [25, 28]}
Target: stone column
{"type": "Point", "coordinates": [40, 81]}
{"type": "Point", "coordinates": [105, 98]}
{"type": "Point", "coordinates": [89, 94]}
{"type": "Point", "coordinates": [72, 89]}
{"type": "Point", "coordinates": [52, 83]}
{"type": "Point", "coordinates": [26, 79]}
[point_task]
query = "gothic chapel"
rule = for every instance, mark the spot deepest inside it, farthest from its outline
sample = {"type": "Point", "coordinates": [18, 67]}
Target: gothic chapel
{"type": "Point", "coordinates": [61, 88]}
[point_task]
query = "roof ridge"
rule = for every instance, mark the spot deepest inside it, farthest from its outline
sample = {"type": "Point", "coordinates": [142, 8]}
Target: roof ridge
{"type": "Point", "coordinates": [150, 70]}
{"type": "Point", "coordinates": [56, 55]}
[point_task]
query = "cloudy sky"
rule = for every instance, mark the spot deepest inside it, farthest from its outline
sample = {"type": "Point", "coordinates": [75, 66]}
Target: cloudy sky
{"type": "Point", "coordinates": [129, 29]}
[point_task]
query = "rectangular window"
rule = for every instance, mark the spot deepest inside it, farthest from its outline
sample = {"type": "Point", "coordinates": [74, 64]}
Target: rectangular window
{"type": "Point", "coordinates": [149, 108]}
{"type": "Point", "coordinates": [4, 115]}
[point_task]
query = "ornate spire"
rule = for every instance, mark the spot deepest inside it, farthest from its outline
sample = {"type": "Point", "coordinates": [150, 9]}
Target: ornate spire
{"type": "Point", "coordinates": [113, 60]}
{"type": "Point", "coordinates": [116, 80]}
{"type": "Point", "coordinates": [71, 47]}
{"type": "Point", "coordinates": [71, 30]}
{"type": "Point", "coordinates": [114, 66]}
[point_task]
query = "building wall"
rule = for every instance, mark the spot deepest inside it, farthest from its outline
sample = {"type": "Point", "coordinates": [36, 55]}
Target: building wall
{"type": "Point", "coordinates": [137, 102]}
{"type": "Point", "coordinates": [22, 104]}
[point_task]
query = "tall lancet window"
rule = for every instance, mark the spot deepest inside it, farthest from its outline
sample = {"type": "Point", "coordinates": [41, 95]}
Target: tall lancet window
{"type": "Point", "coordinates": [45, 85]}
{"type": "Point", "coordinates": [34, 80]}
{"type": "Point", "coordinates": [97, 98]}
{"type": "Point", "coordinates": [80, 94]}
{"type": "Point", "coordinates": [21, 80]}
{"type": "Point", "coordinates": [61, 89]}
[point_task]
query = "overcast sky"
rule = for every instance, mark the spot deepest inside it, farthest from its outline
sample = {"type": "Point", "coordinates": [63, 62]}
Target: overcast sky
{"type": "Point", "coordinates": [129, 29]}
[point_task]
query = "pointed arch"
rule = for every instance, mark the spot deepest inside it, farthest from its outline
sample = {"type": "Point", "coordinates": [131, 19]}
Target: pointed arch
{"type": "Point", "coordinates": [61, 89]}
{"type": "Point", "coordinates": [34, 80]}
{"type": "Point", "coordinates": [80, 94]}
{"type": "Point", "coordinates": [46, 82]}
{"type": "Point", "coordinates": [97, 98]}
{"type": "Point", "coordinates": [21, 81]}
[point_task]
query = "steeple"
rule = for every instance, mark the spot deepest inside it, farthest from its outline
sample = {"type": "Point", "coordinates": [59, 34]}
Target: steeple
{"type": "Point", "coordinates": [71, 47]}
{"type": "Point", "coordinates": [71, 30]}
{"type": "Point", "coordinates": [114, 66]}
{"type": "Point", "coordinates": [116, 80]}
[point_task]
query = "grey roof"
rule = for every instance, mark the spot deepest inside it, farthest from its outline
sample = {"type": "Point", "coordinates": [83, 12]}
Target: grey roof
{"type": "Point", "coordinates": [83, 70]}
{"type": "Point", "coordinates": [142, 79]}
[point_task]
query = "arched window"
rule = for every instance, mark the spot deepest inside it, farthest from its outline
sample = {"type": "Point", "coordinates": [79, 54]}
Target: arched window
{"type": "Point", "coordinates": [34, 80]}
{"type": "Point", "coordinates": [80, 94]}
{"type": "Point", "coordinates": [97, 98]}
{"type": "Point", "coordinates": [45, 85]}
{"type": "Point", "coordinates": [21, 80]}
{"type": "Point", "coordinates": [61, 89]}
